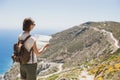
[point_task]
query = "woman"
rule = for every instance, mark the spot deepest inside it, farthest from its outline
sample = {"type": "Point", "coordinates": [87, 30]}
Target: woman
{"type": "Point", "coordinates": [28, 71]}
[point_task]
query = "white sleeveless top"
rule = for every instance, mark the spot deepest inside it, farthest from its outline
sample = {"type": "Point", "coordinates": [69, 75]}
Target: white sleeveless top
{"type": "Point", "coordinates": [28, 45]}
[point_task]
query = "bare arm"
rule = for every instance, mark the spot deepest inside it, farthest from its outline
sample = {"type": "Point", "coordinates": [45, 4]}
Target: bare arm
{"type": "Point", "coordinates": [37, 52]}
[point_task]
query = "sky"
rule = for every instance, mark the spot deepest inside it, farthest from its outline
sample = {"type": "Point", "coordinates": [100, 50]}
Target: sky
{"type": "Point", "coordinates": [57, 15]}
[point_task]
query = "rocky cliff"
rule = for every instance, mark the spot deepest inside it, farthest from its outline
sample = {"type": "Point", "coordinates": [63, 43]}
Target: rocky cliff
{"type": "Point", "coordinates": [91, 48]}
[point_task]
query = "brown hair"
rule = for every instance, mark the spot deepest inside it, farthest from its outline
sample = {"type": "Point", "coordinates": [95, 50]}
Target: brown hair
{"type": "Point", "coordinates": [26, 24]}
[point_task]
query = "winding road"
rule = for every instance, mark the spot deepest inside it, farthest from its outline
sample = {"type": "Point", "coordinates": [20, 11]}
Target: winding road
{"type": "Point", "coordinates": [113, 40]}
{"type": "Point", "coordinates": [59, 70]}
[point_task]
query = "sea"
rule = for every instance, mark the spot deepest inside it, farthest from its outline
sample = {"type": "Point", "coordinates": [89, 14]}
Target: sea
{"type": "Point", "coordinates": [7, 39]}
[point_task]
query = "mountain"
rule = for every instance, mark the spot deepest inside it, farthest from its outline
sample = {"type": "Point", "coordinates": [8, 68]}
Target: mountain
{"type": "Point", "coordinates": [83, 43]}
{"type": "Point", "coordinates": [90, 48]}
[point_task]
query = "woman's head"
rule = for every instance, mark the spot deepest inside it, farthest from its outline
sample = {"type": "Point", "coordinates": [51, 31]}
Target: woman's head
{"type": "Point", "coordinates": [28, 24]}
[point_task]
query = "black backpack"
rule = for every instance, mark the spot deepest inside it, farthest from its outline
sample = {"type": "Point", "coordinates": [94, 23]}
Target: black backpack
{"type": "Point", "coordinates": [21, 54]}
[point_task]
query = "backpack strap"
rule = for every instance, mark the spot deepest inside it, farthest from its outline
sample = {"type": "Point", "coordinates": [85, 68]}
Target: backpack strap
{"type": "Point", "coordinates": [26, 39]}
{"type": "Point", "coordinates": [31, 50]}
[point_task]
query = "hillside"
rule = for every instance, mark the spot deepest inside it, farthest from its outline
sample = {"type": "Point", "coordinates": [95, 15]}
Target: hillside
{"type": "Point", "coordinates": [90, 50]}
{"type": "Point", "coordinates": [83, 43]}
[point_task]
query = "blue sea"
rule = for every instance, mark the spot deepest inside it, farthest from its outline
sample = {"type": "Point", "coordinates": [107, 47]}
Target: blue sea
{"type": "Point", "coordinates": [7, 39]}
